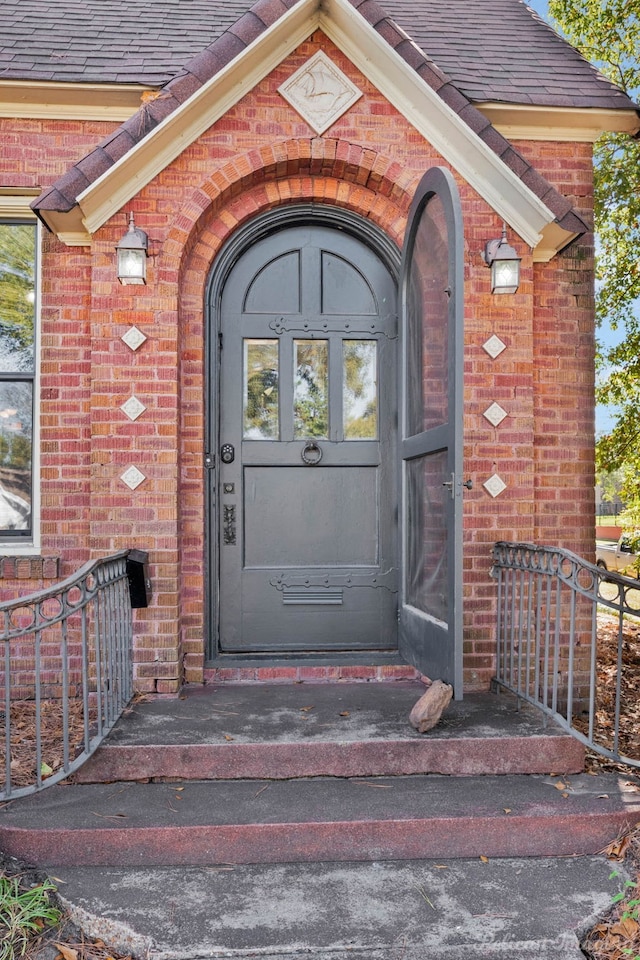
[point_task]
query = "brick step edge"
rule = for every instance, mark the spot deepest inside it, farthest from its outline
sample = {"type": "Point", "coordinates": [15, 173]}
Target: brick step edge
{"type": "Point", "coordinates": [463, 757]}
{"type": "Point", "coordinates": [555, 835]}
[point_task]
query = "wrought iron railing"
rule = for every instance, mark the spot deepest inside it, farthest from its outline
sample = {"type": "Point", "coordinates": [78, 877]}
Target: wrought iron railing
{"type": "Point", "coordinates": [564, 644]}
{"type": "Point", "coordinates": [65, 674]}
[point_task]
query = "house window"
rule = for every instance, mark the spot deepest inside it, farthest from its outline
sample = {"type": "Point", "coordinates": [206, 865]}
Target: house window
{"type": "Point", "coordinates": [18, 310]}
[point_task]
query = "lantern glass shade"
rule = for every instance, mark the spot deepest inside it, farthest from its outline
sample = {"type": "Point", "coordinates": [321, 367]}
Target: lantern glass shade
{"type": "Point", "coordinates": [505, 276]}
{"type": "Point", "coordinates": [132, 255]}
{"type": "Point", "coordinates": [132, 267]}
{"type": "Point", "coordinates": [504, 263]}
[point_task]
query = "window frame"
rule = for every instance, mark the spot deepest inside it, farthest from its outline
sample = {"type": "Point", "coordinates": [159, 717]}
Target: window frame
{"type": "Point", "coordinates": [15, 209]}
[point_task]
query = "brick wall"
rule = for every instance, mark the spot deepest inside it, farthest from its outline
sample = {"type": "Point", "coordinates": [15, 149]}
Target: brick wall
{"type": "Point", "coordinates": [259, 156]}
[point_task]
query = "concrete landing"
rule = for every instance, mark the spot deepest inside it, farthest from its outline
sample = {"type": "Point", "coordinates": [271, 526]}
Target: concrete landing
{"type": "Point", "coordinates": [344, 729]}
{"type": "Point", "coordinates": [410, 910]}
{"type": "Point", "coordinates": [270, 821]}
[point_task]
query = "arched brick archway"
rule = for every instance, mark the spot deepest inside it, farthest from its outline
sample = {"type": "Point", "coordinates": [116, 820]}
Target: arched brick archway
{"type": "Point", "coordinates": [316, 171]}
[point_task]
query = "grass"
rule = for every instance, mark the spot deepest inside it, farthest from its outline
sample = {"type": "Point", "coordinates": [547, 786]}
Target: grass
{"type": "Point", "coordinates": [25, 912]}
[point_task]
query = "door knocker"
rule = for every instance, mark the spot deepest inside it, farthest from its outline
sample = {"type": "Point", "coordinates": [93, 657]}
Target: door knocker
{"type": "Point", "coordinates": [311, 453]}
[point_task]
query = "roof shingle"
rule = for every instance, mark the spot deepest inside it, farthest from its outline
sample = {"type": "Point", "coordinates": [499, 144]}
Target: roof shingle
{"type": "Point", "coordinates": [509, 55]}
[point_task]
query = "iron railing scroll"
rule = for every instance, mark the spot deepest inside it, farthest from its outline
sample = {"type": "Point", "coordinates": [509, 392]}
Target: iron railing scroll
{"type": "Point", "coordinates": [550, 647]}
{"type": "Point", "coordinates": [65, 674]}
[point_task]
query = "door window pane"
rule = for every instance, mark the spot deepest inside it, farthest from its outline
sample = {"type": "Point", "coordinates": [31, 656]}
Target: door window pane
{"type": "Point", "coordinates": [360, 389]}
{"type": "Point", "coordinates": [426, 534]}
{"type": "Point", "coordinates": [261, 382]}
{"type": "Point", "coordinates": [310, 388]}
{"type": "Point", "coordinates": [427, 323]}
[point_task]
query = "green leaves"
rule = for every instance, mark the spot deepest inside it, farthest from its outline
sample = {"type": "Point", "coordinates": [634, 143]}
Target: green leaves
{"type": "Point", "coordinates": [607, 32]}
{"type": "Point", "coordinates": [23, 915]}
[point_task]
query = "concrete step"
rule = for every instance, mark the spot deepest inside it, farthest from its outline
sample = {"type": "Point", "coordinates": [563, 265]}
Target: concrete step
{"type": "Point", "coordinates": [531, 909]}
{"type": "Point", "coordinates": [323, 819]}
{"type": "Point", "coordinates": [309, 730]}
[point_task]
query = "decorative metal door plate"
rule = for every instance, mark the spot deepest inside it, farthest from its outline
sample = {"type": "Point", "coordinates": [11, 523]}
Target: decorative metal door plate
{"type": "Point", "coordinates": [229, 526]}
{"type": "Point", "coordinates": [361, 325]}
{"type": "Point", "coordinates": [320, 92]}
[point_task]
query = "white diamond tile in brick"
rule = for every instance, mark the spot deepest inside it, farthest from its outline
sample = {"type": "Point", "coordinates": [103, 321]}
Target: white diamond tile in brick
{"type": "Point", "coordinates": [320, 92]}
{"type": "Point", "coordinates": [494, 346]}
{"type": "Point", "coordinates": [494, 485]}
{"type": "Point", "coordinates": [133, 408]}
{"type": "Point", "coordinates": [495, 414]}
{"type": "Point", "coordinates": [133, 338]}
{"type": "Point", "coordinates": [133, 477]}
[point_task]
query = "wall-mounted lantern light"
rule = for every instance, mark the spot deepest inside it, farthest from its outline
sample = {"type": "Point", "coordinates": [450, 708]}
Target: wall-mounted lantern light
{"type": "Point", "coordinates": [504, 263]}
{"type": "Point", "coordinates": [132, 255]}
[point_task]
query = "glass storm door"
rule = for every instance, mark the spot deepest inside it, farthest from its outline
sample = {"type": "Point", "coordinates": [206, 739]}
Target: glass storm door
{"type": "Point", "coordinates": [307, 540]}
{"type": "Point", "coordinates": [431, 448]}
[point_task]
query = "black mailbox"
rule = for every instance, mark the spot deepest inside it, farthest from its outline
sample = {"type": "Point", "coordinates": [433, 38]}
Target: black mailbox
{"type": "Point", "coordinates": [139, 582]}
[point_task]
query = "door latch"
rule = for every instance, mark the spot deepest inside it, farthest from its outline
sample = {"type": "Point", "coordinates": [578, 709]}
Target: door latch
{"type": "Point", "coordinates": [227, 453]}
{"type": "Point", "coordinates": [451, 484]}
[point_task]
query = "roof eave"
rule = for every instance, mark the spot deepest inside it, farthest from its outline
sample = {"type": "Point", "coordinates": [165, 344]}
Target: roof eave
{"type": "Point", "coordinates": [390, 72]}
{"type": "Point", "coordinates": [569, 124]}
{"type": "Point", "coordinates": [46, 100]}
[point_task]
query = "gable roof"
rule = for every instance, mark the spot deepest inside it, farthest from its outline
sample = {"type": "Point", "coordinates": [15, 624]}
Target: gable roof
{"type": "Point", "coordinates": [505, 54]}
{"type": "Point", "coordinates": [99, 184]}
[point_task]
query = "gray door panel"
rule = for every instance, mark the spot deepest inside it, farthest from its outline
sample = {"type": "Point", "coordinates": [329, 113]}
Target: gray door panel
{"type": "Point", "coordinates": [431, 448]}
{"type": "Point", "coordinates": [308, 397]}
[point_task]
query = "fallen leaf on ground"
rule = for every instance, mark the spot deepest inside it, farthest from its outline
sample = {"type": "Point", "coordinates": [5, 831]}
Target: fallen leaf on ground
{"type": "Point", "coordinates": [617, 848]}
{"type": "Point", "coordinates": [626, 927]}
{"type": "Point", "coordinates": [67, 952]}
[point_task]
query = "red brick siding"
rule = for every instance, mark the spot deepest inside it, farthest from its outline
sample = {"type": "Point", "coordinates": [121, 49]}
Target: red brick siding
{"type": "Point", "coordinates": [259, 156]}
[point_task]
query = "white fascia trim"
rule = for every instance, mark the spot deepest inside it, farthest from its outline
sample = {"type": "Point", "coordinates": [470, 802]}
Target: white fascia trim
{"type": "Point", "coordinates": [422, 107]}
{"type": "Point", "coordinates": [17, 205]}
{"type": "Point", "coordinates": [563, 124]}
{"type": "Point", "coordinates": [181, 128]}
{"type": "Point", "coordinates": [68, 227]}
{"type": "Point", "coordinates": [437, 122]}
{"type": "Point", "coordinates": [40, 100]}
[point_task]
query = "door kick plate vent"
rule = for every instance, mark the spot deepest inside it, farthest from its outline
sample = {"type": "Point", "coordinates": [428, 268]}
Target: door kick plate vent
{"type": "Point", "coordinates": [299, 595]}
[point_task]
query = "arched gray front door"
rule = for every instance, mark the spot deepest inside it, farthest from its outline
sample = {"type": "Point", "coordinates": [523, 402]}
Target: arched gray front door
{"type": "Point", "coordinates": [305, 507]}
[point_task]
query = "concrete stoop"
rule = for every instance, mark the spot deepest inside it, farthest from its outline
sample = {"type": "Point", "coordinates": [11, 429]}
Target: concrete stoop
{"type": "Point", "coordinates": [321, 772]}
{"type": "Point", "coordinates": [311, 821]}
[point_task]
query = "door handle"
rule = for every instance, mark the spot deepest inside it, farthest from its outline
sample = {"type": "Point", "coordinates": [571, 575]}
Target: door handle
{"type": "Point", "coordinates": [311, 453]}
{"type": "Point", "coordinates": [451, 484]}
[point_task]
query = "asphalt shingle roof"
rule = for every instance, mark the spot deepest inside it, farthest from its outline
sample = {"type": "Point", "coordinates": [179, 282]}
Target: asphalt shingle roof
{"type": "Point", "coordinates": [503, 51]}
{"type": "Point", "coordinates": [62, 196]}
{"type": "Point", "coordinates": [493, 52]}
